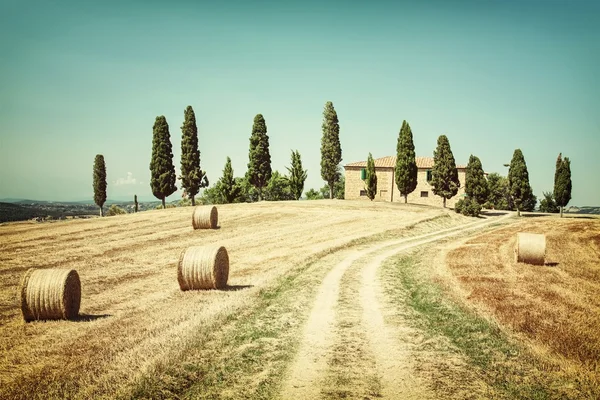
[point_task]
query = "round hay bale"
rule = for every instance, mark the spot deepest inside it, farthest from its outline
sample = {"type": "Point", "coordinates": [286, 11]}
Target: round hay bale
{"type": "Point", "coordinates": [203, 267]}
{"type": "Point", "coordinates": [205, 217]}
{"type": "Point", "coordinates": [531, 248]}
{"type": "Point", "coordinates": [50, 294]}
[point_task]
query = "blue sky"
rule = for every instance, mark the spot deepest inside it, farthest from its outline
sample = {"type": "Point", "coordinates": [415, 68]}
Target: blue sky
{"type": "Point", "coordinates": [81, 79]}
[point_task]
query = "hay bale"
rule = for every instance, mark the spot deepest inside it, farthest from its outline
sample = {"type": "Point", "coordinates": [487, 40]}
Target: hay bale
{"type": "Point", "coordinates": [203, 267]}
{"type": "Point", "coordinates": [531, 248]}
{"type": "Point", "coordinates": [50, 294]}
{"type": "Point", "coordinates": [205, 217]}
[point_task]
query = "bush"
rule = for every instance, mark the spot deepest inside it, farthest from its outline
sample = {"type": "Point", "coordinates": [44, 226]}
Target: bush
{"type": "Point", "coordinates": [312, 194]}
{"type": "Point", "coordinates": [548, 204]}
{"type": "Point", "coordinates": [184, 202]}
{"type": "Point", "coordinates": [468, 207]}
{"type": "Point", "coordinates": [115, 210]}
{"type": "Point", "coordinates": [167, 205]}
{"type": "Point", "coordinates": [488, 205]}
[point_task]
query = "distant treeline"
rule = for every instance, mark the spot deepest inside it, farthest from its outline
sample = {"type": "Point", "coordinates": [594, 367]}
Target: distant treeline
{"type": "Point", "coordinates": [14, 212]}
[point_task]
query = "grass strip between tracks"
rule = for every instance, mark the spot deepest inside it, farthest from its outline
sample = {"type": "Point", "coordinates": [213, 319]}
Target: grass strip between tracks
{"type": "Point", "coordinates": [452, 330]}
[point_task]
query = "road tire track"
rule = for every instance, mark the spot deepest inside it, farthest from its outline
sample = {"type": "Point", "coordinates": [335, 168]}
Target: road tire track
{"type": "Point", "coordinates": [305, 380]}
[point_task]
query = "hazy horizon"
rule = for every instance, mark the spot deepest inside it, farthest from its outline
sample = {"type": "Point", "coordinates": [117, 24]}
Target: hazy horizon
{"type": "Point", "coordinates": [82, 79]}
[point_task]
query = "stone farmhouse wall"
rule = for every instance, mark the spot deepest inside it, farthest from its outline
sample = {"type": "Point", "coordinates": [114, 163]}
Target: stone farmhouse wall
{"type": "Point", "coordinates": [388, 191]}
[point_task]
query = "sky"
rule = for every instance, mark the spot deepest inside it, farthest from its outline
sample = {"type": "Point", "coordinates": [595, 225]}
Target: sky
{"type": "Point", "coordinates": [84, 78]}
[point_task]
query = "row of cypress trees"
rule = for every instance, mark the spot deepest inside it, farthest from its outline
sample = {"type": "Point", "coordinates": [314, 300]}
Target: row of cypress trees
{"type": "Point", "coordinates": [162, 169]}
{"type": "Point", "coordinates": [259, 173]}
{"type": "Point", "coordinates": [193, 178]}
{"type": "Point", "coordinates": [445, 182]}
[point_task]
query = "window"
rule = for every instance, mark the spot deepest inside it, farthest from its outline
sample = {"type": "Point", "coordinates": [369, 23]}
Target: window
{"type": "Point", "coordinates": [363, 174]}
{"type": "Point", "coordinates": [428, 177]}
{"type": "Point", "coordinates": [424, 194]}
{"type": "Point", "coordinates": [363, 192]}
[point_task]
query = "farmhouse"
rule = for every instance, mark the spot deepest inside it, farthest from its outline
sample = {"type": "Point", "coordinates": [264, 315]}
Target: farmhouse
{"type": "Point", "coordinates": [386, 184]}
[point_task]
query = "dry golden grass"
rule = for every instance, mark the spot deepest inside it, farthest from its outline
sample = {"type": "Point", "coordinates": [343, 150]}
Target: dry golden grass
{"type": "Point", "coordinates": [555, 308]}
{"type": "Point", "coordinates": [133, 315]}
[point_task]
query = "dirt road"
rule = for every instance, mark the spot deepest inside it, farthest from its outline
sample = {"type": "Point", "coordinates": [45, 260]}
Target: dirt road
{"type": "Point", "coordinates": [350, 317]}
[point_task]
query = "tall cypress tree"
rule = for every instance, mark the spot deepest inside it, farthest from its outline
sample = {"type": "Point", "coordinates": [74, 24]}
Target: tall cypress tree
{"type": "Point", "coordinates": [444, 175]}
{"type": "Point", "coordinates": [562, 182]}
{"type": "Point", "coordinates": [162, 170]}
{"type": "Point", "coordinates": [518, 181]}
{"type": "Point", "coordinates": [99, 182]}
{"type": "Point", "coordinates": [331, 150]}
{"type": "Point", "coordinates": [259, 167]}
{"type": "Point", "coordinates": [476, 186]}
{"type": "Point", "coordinates": [371, 179]}
{"type": "Point", "coordinates": [192, 176]}
{"type": "Point", "coordinates": [227, 185]}
{"type": "Point", "coordinates": [406, 165]}
{"type": "Point", "coordinates": [297, 175]}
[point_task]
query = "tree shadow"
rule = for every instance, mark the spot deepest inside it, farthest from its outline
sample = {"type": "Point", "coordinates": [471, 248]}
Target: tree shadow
{"type": "Point", "coordinates": [550, 264]}
{"type": "Point", "coordinates": [493, 213]}
{"type": "Point", "coordinates": [235, 288]}
{"type": "Point", "coordinates": [89, 317]}
{"type": "Point", "coordinates": [527, 214]}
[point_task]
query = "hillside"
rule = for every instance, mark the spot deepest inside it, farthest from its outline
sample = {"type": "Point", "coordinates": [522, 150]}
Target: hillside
{"type": "Point", "coordinates": [134, 317]}
{"type": "Point", "coordinates": [583, 210]}
{"type": "Point", "coordinates": [325, 299]}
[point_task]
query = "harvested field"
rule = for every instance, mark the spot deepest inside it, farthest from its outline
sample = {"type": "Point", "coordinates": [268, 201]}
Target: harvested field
{"type": "Point", "coordinates": [133, 316]}
{"type": "Point", "coordinates": [555, 308]}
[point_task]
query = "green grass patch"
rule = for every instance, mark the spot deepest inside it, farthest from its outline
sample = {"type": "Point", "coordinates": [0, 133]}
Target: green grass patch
{"type": "Point", "coordinates": [503, 364]}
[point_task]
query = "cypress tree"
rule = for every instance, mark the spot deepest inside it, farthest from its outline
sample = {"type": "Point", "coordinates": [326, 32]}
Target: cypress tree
{"type": "Point", "coordinates": [371, 180]}
{"type": "Point", "coordinates": [331, 150]}
{"type": "Point", "coordinates": [259, 167]}
{"type": "Point", "coordinates": [227, 184]}
{"type": "Point", "coordinates": [562, 182]}
{"type": "Point", "coordinates": [192, 177]}
{"type": "Point", "coordinates": [444, 175]}
{"type": "Point", "coordinates": [135, 202]}
{"type": "Point", "coordinates": [297, 175]}
{"type": "Point", "coordinates": [476, 186]}
{"type": "Point", "coordinates": [162, 170]}
{"type": "Point", "coordinates": [406, 165]}
{"type": "Point", "coordinates": [99, 182]}
{"type": "Point", "coordinates": [518, 181]}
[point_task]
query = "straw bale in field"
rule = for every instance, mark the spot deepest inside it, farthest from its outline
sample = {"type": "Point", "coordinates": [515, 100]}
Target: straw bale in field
{"type": "Point", "coordinates": [531, 248]}
{"type": "Point", "coordinates": [50, 294]}
{"type": "Point", "coordinates": [205, 217]}
{"type": "Point", "coordinates": [203, 267]}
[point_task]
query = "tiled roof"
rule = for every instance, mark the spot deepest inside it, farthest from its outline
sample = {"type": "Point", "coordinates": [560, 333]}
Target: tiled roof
{"type": "Point", "coordinates": [390, 162]}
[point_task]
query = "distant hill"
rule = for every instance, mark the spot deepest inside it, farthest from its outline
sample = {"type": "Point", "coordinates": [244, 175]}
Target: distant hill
{"type": "Point", "coordinates": [583, 210]}
{"type": "Point", "coordinates": [13, 200]}
{"type": "Point", "coordinates": [118, 200]}
{"type": "Point", "coordinates": [14, 212]}
{"type": "Point", "coordinates": [23, 209]}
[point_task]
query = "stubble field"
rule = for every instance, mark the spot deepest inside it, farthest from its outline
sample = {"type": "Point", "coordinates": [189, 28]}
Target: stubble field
{"type": "Point", "coordinates": [325, 300]}
{"type": "Point", "coordinates": [133, 315]}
